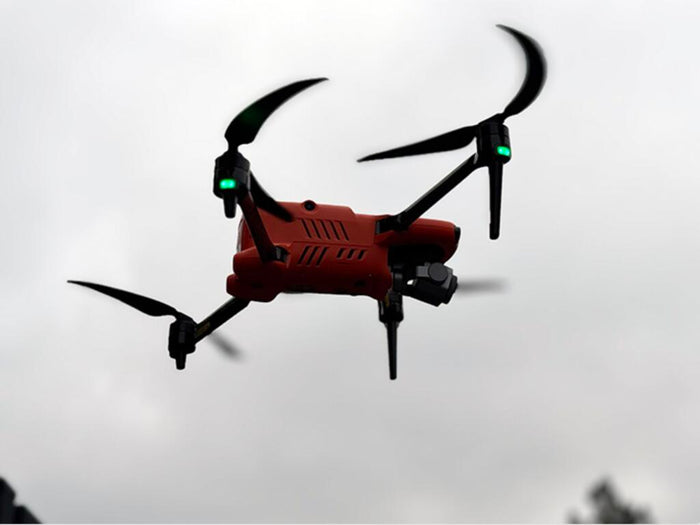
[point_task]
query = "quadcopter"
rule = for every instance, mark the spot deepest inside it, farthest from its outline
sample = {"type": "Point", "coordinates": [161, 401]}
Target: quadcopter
{"type": "Point", "coordinates": [305, 247]}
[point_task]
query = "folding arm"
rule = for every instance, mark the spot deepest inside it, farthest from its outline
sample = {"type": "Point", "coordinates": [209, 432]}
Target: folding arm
{"type": "Point", "coordinates": [267, 250]}
{"type": "Point", "coordinates": [222, 314]}
{"type": "Point", "coordinates": [404, 219]}
{"type": "Point", "coordinates": [233, 180]}
{"type": "Point", "coordinates": [235, 184]}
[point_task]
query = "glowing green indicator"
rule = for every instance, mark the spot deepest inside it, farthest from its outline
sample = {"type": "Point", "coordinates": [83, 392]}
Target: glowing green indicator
{"type": "Point", "coordinates": [503, 150]}
{"type": "Point", "coordinates": [227, 184]}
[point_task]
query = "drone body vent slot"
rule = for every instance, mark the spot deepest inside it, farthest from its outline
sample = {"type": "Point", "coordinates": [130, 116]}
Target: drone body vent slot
{"type": "Point", "coordinates": [350, 254]}
{"type": "Point", "coordinates": [306, 228]}
{"type": "Point", "coordinates": [321, 256]}
{"type": "Point", "coordinates": [335, 232]}
{"type": "Point", "coordinates": [303, 254]}
{"type": "Point", "coordinates": [325, 229]}
{"type": "Point", "coordinates": [312, 255]}
{"type": "Point", "coordinates": [342, 228]}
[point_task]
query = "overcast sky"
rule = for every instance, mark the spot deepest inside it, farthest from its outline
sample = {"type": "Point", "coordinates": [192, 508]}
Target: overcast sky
{"type": "Point", "coordinates": [507, 407]}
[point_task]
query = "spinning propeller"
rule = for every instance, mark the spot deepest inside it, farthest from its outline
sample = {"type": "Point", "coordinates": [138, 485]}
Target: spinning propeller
{"type": "Point", "coordinates": [492, 141]}
{"type": "Point", "coordinates": [184, 331]}
{"type": "Point", "coordinates": [225, 346]}
{"type": "Point", "coordinates": [470, 286]}
{"type": "Point", "coordinates": [181, 338]}
{"type": "Point", "coordinates": [232, 176]}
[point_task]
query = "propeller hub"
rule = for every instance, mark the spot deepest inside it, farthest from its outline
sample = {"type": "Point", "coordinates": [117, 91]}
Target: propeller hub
{"type": "Point", "coordinates": [231, 174]}
{"type": "Point", "coordinates": [493, 143]}
{"type": "Point", "coordinates": [181, 340]}
{"type": "Point", "coordinates": [231, 179]}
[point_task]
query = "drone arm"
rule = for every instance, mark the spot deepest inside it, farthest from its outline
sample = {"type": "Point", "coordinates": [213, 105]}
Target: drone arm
{"type": "Point", "coordinates": [265, 202]}
{"type": "Point", "coordinates": [267, 250]}
{"type": "Point", "coordinates": [222, 314]}
{"type": "Point", "coordinates": [404, 219]}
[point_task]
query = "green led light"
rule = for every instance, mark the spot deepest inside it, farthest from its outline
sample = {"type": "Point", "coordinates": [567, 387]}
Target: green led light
{"type": "Point", "coordinates": [503, 150]}
{"type": "Point", "coordinates": [227, 184]}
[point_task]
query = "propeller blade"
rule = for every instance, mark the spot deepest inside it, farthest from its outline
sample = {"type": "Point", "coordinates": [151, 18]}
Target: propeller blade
{"type": "Point", "coordinates": [225, 346]}
{"type": "Point", "coordinates": [459, 138]}
{"type": "Point", "coordinates": [144, 304]}
{"type": "Point", "coordinates": [451, 140]}
{"type": "Point", "coordinates": [495, 191]}
{"type": "Point", "coordinates": [263, 201]}
{"type": "Point", "coordinates": [245, 126]}
{"type": "Point", "coordinates": [470, 286]}
{"type": "Point", "coordinates": [534, 77]}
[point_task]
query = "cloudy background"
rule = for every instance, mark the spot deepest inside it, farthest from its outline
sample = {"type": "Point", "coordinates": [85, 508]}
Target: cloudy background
{"type": "Point", "coordinates": [507, 406]}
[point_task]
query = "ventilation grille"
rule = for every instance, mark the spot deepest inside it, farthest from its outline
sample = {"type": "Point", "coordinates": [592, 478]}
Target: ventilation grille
{"type": "Point", "coordinates": [350, 254]}
{"type": "Point", "coordinates": [325, 229]}
{"type": "Point", "coordinates": [312, 255]}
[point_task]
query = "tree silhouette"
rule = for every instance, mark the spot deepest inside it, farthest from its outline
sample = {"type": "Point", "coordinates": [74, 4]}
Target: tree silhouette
{"type": "Point", "coordinates": [607, 508]}
{"type": "Point", "coordinates": [9, 512]}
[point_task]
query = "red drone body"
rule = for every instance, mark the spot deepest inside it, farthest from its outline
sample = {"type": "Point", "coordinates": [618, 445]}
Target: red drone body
{"type": "Point", "coordinates": [330, 249]}
{"type": "Point", "coordinates": [304, 247]}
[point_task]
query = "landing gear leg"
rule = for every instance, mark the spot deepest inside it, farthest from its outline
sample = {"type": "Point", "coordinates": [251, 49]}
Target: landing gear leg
{"type": "Point", "coordinates": [391, 314]}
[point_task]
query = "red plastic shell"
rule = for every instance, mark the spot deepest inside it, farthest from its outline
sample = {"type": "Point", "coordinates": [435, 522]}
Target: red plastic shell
{"type": "Point", "coordinates": [331, 249]}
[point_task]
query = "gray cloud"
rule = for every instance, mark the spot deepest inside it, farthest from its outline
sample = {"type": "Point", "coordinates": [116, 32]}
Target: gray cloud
{"type": "Point", "coordinates": [506, 406]}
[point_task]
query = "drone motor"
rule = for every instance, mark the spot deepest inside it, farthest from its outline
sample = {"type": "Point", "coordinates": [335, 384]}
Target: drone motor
{"type": "Point", "coordinates": [181, 340]}
{"type": "Point", "coordinates": [231, 180]}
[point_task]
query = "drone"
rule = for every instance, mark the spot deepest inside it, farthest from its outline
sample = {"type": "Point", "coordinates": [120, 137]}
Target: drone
{"type": "Point", "coordinates": [305, 247]}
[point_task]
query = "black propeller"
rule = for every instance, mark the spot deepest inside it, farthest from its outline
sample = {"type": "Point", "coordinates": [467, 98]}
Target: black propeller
{"type": "Point", "coordinates": [226, 347]}
{"type": "Point", "coordinates": [449, 141]}
{"type": "Point", "coordinates": [470, 286]}
{"type": "Point", "coordinates": [232, 176]}
{"type": "Point", "coordinates": [534, 77]}
{"type": "Point", "coordinates": [181, 340]}
{"type": "Point", "coordinates": [245, 126]}
{"type": "Point", "coordinates": [461, 137]}
{"type": "Point", "coordinates": [184, 331]}
{"type": "Point", "coordinates": [143, 304]}
{"type": "Point", "coordinates": [493, 143]}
